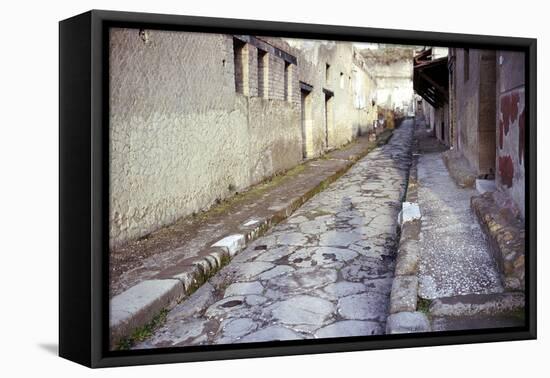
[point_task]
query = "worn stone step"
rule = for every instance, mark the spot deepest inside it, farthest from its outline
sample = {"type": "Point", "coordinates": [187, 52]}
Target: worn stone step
{"type": "Point", "coordinates": [478, 304]}
{"type": "Point", "coordinates": [454, 323]}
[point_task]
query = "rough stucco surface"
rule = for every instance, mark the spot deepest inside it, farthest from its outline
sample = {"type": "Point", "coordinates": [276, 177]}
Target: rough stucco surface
{"type": "Point", "coordinates": [180, 137]}
{"type": "Point", "coordinates": [475, 109]}
{"type": "Point", "coordinates": [487, 113]}
{"type": "Point", "coordinates": [394, 80]}
{"type": "Point", "coordinates": [353, 112]}
{"type": "Point", "coordinates": [510, 135]}
{"type": "Point", "coordinates": [468, 107]}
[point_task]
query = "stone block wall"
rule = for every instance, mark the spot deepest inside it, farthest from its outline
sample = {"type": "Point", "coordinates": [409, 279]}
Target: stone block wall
{"type": "Point", "coordinates": [474, 90]}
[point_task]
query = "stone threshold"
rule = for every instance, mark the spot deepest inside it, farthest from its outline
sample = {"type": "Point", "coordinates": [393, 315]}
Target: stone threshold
{"type": "Point", "coordinates": [137, 306]}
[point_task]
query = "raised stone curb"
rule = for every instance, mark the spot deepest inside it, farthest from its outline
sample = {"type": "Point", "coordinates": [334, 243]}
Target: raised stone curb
{"type": "Point", "coordinates": [407, 322]}
{"type": "Point", "coordinates": [506, 234]}
{"type": "Point", "coordinates": [232, 243]}
{"type": "Point", "coordinates": [404, 316]}
{"type": "Point", "coordinates": [478, 304]}
{"type": "Point", "coordinates": [138, 305]}
{"type": "Point", "coordinates": [408, 257]}
{"type": "Point", "coordinates": [404, 294]}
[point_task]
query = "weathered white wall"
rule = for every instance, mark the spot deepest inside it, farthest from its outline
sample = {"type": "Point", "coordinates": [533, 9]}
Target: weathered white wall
{"type": "Point", "coordinates": [364, 92]}
{"type": "Point", "coordinates": [353, 112]}
{"type": "Point", "coordinates": [392, 67]}
{"type": "Point", "coordinates": [439, 52]}
{"type": "Point", "coordinates": [180, 136]}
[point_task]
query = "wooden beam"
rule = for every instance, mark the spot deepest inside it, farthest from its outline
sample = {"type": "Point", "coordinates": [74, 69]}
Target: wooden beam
{"type": "Point", "coordinates": [430, 63]}
{"type": "Point", "coordinates": [441, 90]}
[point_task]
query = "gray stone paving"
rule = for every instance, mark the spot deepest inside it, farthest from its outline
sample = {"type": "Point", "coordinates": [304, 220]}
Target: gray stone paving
{"type": "Point", "coordinates": [455, 257]}
{"type": "Point", "coordinates": [324, 272]}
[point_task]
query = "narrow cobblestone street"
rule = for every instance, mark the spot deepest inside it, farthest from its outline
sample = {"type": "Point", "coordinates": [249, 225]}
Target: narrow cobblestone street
{"type": "Point", "coordinates": [326, 271]}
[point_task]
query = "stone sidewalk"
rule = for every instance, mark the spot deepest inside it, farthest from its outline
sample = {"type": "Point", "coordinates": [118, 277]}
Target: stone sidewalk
{"type": "Point", "coordinates": [457, 280]}
{"type": "Point", "coordinates": [455, 256]}
{"type": "Point", "coordinates": [326, 271]}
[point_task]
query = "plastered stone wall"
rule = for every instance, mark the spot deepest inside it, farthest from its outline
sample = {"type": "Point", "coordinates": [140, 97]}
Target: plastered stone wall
{"type": "Point", "coordinates": [341, 121]}
{"type": "Point", "coordinates": [351, 109]}
{"type": "Point", "coordinates": [510, 123]}
{"type": "Point", "coordinates": [467, 103]}
{"type": "Point", "coordinates": [180, 135]}
{"type": "Point", "coordinates": [487, 113]}
{"type": "Point", "coordinates": [393, 70]}
{"type": "Point", "coordinates": [475, 108]}
{"type": "Point", "coordinates": [363, 86]}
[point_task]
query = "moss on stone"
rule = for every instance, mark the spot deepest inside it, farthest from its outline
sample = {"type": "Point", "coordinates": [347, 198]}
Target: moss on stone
{"type": "Point", "coordinates": [144, 332]}
{"type": "Point", "coordinates": [423, 305]}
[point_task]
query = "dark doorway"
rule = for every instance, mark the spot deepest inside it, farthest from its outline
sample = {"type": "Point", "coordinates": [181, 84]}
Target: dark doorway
{"type": "Point", "coordinates": [263, 74]}
{"type": "Point", "coordinates": [329, 116]}
{"type": "Point", "coordinates": [305, 100]}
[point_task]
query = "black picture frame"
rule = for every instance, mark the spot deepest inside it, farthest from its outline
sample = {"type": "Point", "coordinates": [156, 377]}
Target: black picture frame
{"type": "Point", "coordinates": [83, 180]}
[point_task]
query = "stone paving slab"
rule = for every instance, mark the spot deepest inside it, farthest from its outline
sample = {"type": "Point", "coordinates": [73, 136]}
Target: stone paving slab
{"type": "Point", "coordinates": [325, 271]}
